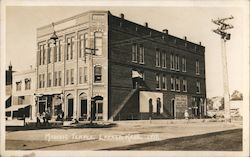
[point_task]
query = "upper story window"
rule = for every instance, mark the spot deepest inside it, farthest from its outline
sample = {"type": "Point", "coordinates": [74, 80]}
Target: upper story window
{"type": "Point", "coordinates": [177, 84]}
{"type": "Point", "coordinates": [55, 78]}
{"type": "Point", "coordinates": [41, 59]}
{"type": "Point", "coordinates": [198, 87]}
{"type": "Point", "coordinates": [67, 77]}
{"type": "Point", "coordinates": [172, 62]}
{"type": "Point", "coordinates": [49, 53]}
{"type": "Point", "coordinates": [70, 48]}
{"type": "Point", "coordinates": [184, 83]}
{"type": "Point", "coordinates": [49, 80]}
{"type": "Point", "coordinates": [59, 50]}
{"type": "Point", "coordinates": [72, 76]}
{"type": "Point", "coordinates": [177, 63]}
{"type": "Point", "coordinates": [59, 78]}
{"type": "Point", "coordinates": [184, 64]}
{"type": "Point", "coordinates": [98, 43]}
{"type": "Point", "coordinates": [134, 53]}
{"type": "Point", "coordinates": [85, 75]}
{"type": "Point", "coordinates": [18, 86]}
{"type": "Point", "coordinates": [197, 67]}
{"type": "Point", "coordinates": [27, 83]}
{"type": "Point", "coordinates": [80, 75]}
{"type": "Point", "coordinates": [164, 59]}
{"type": "Point", "coordinates": [141, 54]}
{"type": "Point", "coordinates": [164, 82]}
{"type": "Point", "coordinates": [97, 73]}
{"type": "Point", "coordinates": [172, 84]}
{"type": "Point", "coordinates": [41, 80]}
{"type": "Point", "coordinates": [158, 82]}
{"type": "Point", "coordinates": [157, 58]}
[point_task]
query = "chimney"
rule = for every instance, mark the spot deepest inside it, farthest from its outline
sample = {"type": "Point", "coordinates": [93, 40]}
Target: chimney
{"type": "Point", "coordinates": [122, 16]}
{"type": "Point", "coordinates": [185, 37]}
{"type": "Point", "coordinates": [146, 24]}
{"type": "Point", "coordinates": [10, 67]}
{"type": "Point", "coordinates": [165, 31]}
{"type": "Point", "coordinates": [200, 43]}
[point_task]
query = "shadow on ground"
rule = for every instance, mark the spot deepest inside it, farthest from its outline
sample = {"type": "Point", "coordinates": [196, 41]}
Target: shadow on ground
{"type": "Point", "coordinates": [230, 140]}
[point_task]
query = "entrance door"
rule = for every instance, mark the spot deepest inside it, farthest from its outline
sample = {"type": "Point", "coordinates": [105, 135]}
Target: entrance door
{"type": "Point", "coordinates": [70, 108]}
{"type": "Point", "coordinates": [99, 105]}
{"type": "Point", "coordinates": [42, 107]}
{"type": "Point", "coordinates": [173, 109]}
{"type": "Point", "coordinates": [84, 108]}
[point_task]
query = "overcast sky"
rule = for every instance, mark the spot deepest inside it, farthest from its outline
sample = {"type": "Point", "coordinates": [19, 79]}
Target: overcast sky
{"type": "Point", "coordinates": [193, 22]}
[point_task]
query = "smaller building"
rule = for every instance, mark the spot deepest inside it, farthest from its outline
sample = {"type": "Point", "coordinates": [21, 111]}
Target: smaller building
{"type": "Point", "coordinates": [23, 100]}
{"type": "Point", "coordinates": [236, 107]}
{"type": "Point", "coordinates": [8, 86]}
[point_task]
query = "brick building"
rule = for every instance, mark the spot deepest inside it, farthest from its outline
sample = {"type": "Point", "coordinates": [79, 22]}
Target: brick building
{"type": "Point", "coordinates": [129, 71]}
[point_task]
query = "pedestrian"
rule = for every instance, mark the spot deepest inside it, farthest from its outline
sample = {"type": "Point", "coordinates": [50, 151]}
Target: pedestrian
{"type": "Point", "coordinates": [38, 121]}
{"type": "Point", "coordinates": [150, 108]}
{"type": "Point", "coordinates": [44, 118]}
{"type": "Point", "coordinates": [186, 115]}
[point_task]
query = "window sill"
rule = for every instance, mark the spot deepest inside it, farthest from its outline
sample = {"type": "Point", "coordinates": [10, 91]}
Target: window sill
{"type": "Point", "coordinates": [98, 83]}
{"type": "Point", "coordinates": [141, 63]}
{"type": "Point", "coordinates": [134, 62]}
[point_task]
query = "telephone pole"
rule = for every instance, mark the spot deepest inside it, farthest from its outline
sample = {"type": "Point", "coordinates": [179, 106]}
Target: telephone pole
{"type": "Point", "coordinates": [221, 30]}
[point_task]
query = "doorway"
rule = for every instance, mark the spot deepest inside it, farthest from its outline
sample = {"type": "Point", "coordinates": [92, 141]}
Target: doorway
{"type": "Point", "coordinates": [70, 107]}
{"type": "Point", "coordinates": [173, 108]}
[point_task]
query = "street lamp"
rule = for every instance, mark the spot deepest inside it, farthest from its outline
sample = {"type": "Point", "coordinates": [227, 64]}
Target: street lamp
{"type": "Point", "coordinates": [91, 53]}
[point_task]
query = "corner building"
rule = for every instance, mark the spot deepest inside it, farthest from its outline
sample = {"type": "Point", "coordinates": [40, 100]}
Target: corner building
{"type": "Point", "coordinates": [129, 70]}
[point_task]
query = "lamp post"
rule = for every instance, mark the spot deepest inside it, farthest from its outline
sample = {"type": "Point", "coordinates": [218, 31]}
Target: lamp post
{"type": "Point", "coordinates": [91, 53]}
{"type": "Point", "coordinates": [221, 30]}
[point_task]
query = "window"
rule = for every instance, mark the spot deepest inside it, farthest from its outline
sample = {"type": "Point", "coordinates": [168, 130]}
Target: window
{"type": "Point", "coordinates": [59, 47]}
{"type": "Point", "coordinates": [70, 48]}
{"type": "Point", "coordinates": [59, 78]}
{"type": "Point", "coordinates": [80, 75]}
{"type": "Point", "coordinates": [27, 83]}
{"type": "Point", "coordinates": [157, 57]}
{"type": "Point", "coordinates": [164, 82]}
{"type": "Point", "coordinates": [55, 78]}
{"type": "Point", "coordinates": [172, 84]}
{"type": "Point", "coordinates": [98, 43]}
{"type": "Point", "coordinates": [172, 62]}
{"type": "Point", "coordinates": [72, 76]}
{"type": "Point", "coordinates": [177, 63]}
{"type": "Point", "coordinates": [197, 65]}
{"type": "Point", "coordinates": [41, 49]}
{"type": "Point", "coordinates": [184, 83]}
{"type": "Point", "coordinates": [21, 100]}
{"type": "Point", "coordinates": [141, 54]}
{"type": "Point", "coordinates": [164, 59]}
{"type": "Point", "coordinates": [43, 80]}
{"type": "Point", "coordinates": [67, 77]}
{"type": "Point", "coordinates": [55, 53]}
{"type": "Point", "coordinates": [177, 84]}
{"type": "Point", "coordinates": [158, 81]}
{"type": "Point", "coordinates": [97, 73]}
{"type": "Point", "coordinates": [49, 53]}
{"type": "Point", "coordinates": [134, 53]}
{"type": "Point", "coordinates": [198, 87]}
{"type": "Point", "coordinates": [184, 64]}
{"type": "Point", "coordinates": [81, 45]}
{"type": "Point", "coordinates": [18, 86]}
{"type": "Point", "coordinates": [85, 75]}
{"type": "Point", "coordinates": [49, 80]}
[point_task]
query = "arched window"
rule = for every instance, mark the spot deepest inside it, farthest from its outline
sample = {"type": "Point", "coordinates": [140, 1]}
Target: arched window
{"type": "Point", "coordinates": [98, 73]}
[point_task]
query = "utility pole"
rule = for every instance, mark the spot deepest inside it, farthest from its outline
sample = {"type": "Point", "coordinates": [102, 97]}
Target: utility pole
{"type": "Point", "coordinates": [221, 30]}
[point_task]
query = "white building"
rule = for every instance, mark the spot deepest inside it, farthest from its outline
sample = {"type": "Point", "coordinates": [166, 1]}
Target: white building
{"type": "Point", "coordinates": [23, 100]}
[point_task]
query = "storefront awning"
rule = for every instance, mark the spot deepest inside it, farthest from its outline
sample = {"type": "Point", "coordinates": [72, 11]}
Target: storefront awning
{"type": "Point", "coordinates": [16, 107]}
{"type": "Point", "coordinates": [136, 74]}
{"type": "Point", "coordinates": [7, 97]}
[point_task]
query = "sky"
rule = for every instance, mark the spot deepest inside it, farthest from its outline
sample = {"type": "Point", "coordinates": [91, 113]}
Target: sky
{"type": "Point", "coordinates": [193, 22]}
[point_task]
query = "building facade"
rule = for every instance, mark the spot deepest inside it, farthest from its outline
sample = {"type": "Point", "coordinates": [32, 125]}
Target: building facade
{"type": "Point", "coordinates": [112, 68]}
{"type": "Point", "coordinates": [23, 99]}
